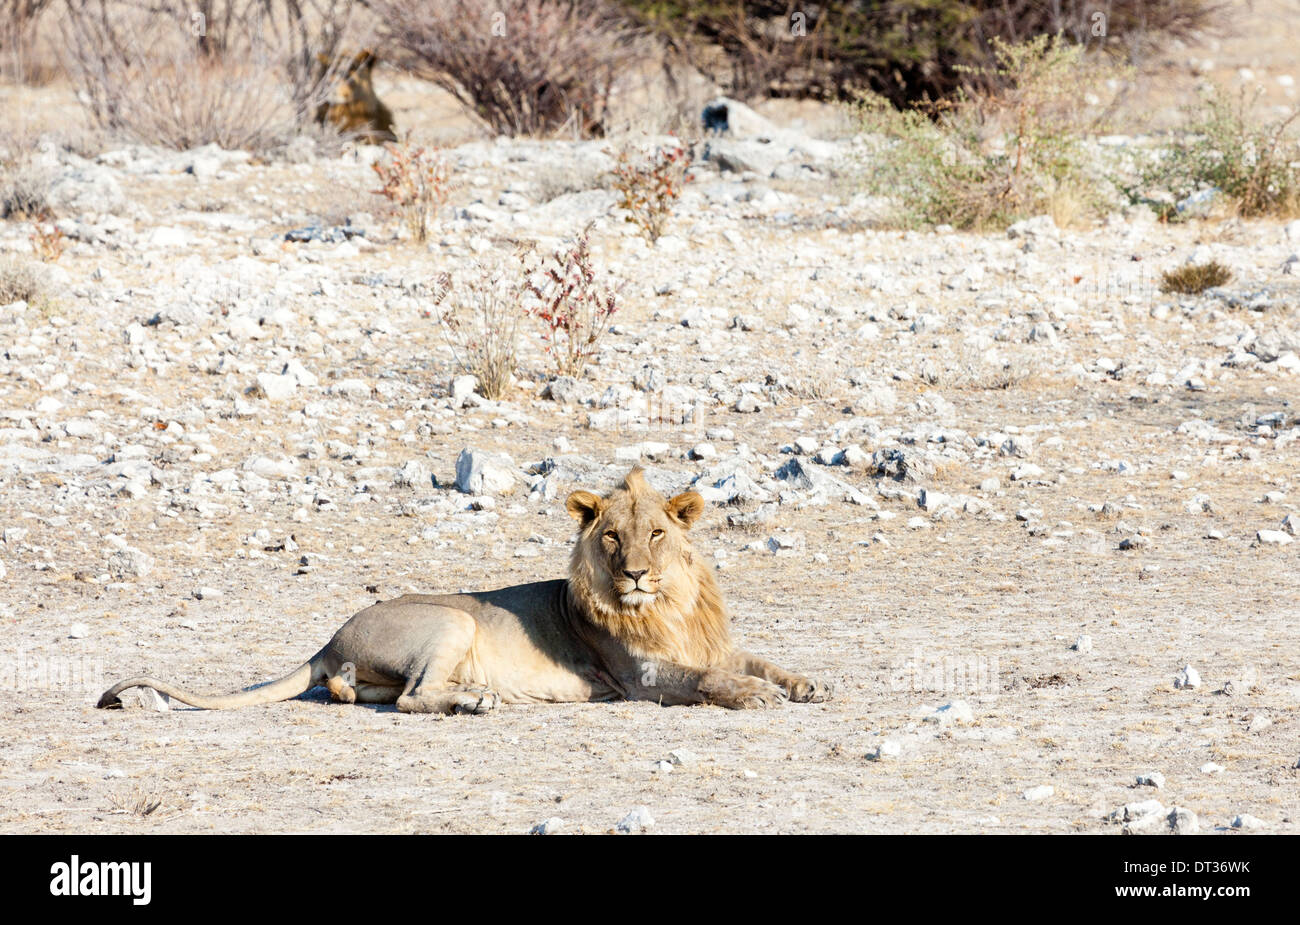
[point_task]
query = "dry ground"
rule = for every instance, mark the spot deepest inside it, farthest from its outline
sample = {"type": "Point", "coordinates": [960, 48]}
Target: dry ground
{"type": "Point", "coordinates": [994, 601]}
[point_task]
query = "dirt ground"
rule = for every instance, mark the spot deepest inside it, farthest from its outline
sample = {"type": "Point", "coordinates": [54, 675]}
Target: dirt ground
{"type": "Point", "coordinates": [1092, 523]}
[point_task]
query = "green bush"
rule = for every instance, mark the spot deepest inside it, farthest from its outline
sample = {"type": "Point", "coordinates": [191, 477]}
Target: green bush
{"type": "Point", "coordinates": [1227, 146]}
{"type": "Point", "coordinates": [990, 158]}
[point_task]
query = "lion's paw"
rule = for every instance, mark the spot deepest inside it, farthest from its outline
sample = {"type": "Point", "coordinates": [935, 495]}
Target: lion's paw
{"type": "Point", "coordinates": [809, 690]}
{"type": "Point", "coordinates": [476, 702]}
{"type": "Point", "coordinates": [755, 693]}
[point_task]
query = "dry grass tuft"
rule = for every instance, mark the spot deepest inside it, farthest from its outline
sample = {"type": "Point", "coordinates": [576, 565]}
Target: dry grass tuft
{"type": "Point", "coordinates": [1195, 278]}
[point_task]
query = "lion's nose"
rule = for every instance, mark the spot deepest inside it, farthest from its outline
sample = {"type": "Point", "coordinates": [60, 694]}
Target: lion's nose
{"type": "Point", "coordinates": [635, 575]}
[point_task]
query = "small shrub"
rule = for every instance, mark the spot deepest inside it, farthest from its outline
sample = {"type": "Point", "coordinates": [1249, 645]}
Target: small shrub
{"type": "Point", "coordinates": [992, 157]}
{"type": "Point", "coordinates": [480, 320]}
{"type": "Point", "coordinates": [24, 189]}
{"type": "Point", "coordinates": [416, 182]}
{"type": "Point", "coordinates": [649, 185]}
{"type": "Point", "coordinates": [47, 241]}
{"type": "Point", "coordinates": [1253, 161]}
{"type": "Point", "coordinates": [573, 305]}
{"type": "Point", "coordinates": [1195, 278]}
{"type": "Point", "coordinates": [23, 281]}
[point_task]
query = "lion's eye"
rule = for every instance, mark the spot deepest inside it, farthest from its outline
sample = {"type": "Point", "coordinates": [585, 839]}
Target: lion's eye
{"type": "Point", "coordinates": [611, 535]}
{"type": "Point", "coordinates": [655, 534]}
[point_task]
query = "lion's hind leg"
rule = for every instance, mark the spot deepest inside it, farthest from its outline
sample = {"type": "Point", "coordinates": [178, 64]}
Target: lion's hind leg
{"type": "Point", "coordinates": [361, 692]}
{"type": "Point", "coordinates": [429, 688]}
{"type": "Point", "coordinates": [377, 693]}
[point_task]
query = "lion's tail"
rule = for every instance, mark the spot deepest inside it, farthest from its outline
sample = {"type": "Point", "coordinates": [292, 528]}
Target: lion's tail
{"type": "Point", "coordinates": [299, 681]}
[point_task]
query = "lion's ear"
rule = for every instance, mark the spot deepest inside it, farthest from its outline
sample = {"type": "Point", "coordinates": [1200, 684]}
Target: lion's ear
{"type": "Point", "coordinates": [685, 508]}
{"type": "Point", "coordinates": [583, 506]}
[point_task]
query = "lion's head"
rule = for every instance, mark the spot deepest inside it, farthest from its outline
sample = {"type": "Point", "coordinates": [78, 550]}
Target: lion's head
{"type": "Point", "coordinates": [635, 573]}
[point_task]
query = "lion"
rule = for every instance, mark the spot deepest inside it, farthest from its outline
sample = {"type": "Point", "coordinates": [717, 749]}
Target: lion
{"type": "Point", "coordinates": [355, 107]}
{"type": "Point", "coordinates": [640, 617]}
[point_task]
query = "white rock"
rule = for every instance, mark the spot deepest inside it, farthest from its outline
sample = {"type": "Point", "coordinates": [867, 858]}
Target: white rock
{"type": "Point", "coordinates": [957, 712]}
{"type": "Point", "coordinates": [1083, 644]}
{"type": "Point", "coordinates": [268, 467]}
{"type": "Point", "coordinates": [1273, 538]}
{"type": "Point", "coordinates": [1183, 821]}
{"type": "Point", "coordinates": [1247, 822]}
{"type": "Point", "coordinates": [481, 473]}
{"type": "Point", "coordinates": [547, 826]}
{"type": "Point", "coordinates": [1131, 812]}
{"type": "Point", "coordinates": [931, 500]}
{"type": "Point", "coordinates": [1027, 471]}
{"type": "Point", "coordinates": [129, 563]}
{"type": "Point", "coordinates": [462, 390]}
{"type": "Point", "coordinates": [1042, 792]}
{"type": "Point", "coordinates": [683, 757]}
{"type": "Point", "coordinates": [885, 751]}
{"type": "Point", "coordinates": [1188, 677]}
{"type": "Point", "coordinates": [78, 631]}
{"type": "Point", "coordinates": [1151, 779]}
{"type": "Point", "coordinates": [1211, 768]}
{"type": "Point", "coordinates": [300, 374]}
{"type": "Point", "coordinates": [1020, 446]}
{"type": "Point", "coordinates": [413, 474]}
{"type": "Point", "coordinates": [154, 700]}
{"type": "Point", "coordinates": [276, 387]}
{"type": "Point", "coordinates": [637, 820]}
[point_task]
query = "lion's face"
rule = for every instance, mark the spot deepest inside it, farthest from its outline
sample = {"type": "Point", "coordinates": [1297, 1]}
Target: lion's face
{"type": "Point", "coordinates": [633, 545]}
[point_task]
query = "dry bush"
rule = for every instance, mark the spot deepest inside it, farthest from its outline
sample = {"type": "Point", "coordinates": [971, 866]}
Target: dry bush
{"type": "Point", "coordinates": [24, 281]}
{"type": "Point", "coordinates": [1228, 146]}
{"type": "Point", "coordinates": [416, 182]}
{"type": "Point", "coordinates": [650, 183]}
{"type": "Point", "coordinates": [20, 57]}
{"type": "Point", "coordinates": [48, 241]}
{"type": "Point", "coordinates": [481, 314]}
{"type": "Point", "coordinates": [24, 188]}
{"type": "Point", "coordinates": [1195, 278]}
{"type": "Point", "coordinates": [574, 305]}
{"type": "Point", "coordinates": [243, 74]}
{"type": "Point", "coordinates": [522, 67]}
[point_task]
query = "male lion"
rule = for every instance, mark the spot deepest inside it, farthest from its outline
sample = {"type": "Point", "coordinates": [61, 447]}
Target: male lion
{"type": "Point", "coordinates": [639, 618]}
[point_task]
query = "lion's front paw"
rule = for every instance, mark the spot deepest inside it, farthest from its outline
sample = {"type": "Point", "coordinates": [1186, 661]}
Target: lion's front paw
{"type": "Point", "coordinates": [746, 693]}
{"type": "Point", "coordinates": [809, 690]}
